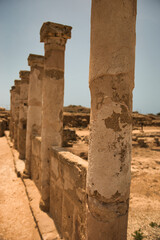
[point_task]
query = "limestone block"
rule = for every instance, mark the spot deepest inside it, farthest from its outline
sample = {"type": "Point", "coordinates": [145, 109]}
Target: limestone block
{"type": "Point", "coordinates": [67, 218]}
{"type": "Point", "coordinates": [67, 193]}
{"type": "Point", "coordinates": [80, 221]}
{"type": "Point", "coordinates": [56, 198]}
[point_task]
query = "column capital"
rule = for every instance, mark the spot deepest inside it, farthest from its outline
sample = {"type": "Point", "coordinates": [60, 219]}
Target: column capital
{"type": "Point", "coordinates": [24, 74]}
{"type": "Point", "coordinates": [35, 60]}
{"type": "Point", "coordinates": [52, 31]}
{"type": "Point", "coordinates": [17, 82]}
{"type": "Point", "coordinates": [12, 88]}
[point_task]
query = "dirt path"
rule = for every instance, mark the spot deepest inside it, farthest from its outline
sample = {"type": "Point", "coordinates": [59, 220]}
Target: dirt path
{"type": "Point", "coordinates": [16, 221]}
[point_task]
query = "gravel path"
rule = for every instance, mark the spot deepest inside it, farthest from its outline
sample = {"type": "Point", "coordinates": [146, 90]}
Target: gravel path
{"type": "Point", "coordinates": [16, 220]}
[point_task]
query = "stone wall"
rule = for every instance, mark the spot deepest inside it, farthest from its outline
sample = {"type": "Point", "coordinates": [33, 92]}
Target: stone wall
{"type": "Point", "coordinates": [36, 162]}
{"type": "Point", "coordinates": [67, 193]}
{"type": "Point", "coordinates": [76, 119]}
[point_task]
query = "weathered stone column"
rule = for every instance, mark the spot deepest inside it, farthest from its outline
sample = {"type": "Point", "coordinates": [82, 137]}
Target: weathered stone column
{"type": "Point", "coordinates": [55, 37]}
{"type": "Point", "coordinates": [11, 125]}
{"type": "Point", "coordinates": [24, 75]}
{"type": "Point", "coordinates": [112, 61]}
{"type": "Point", "coordinates": [36, 62]}
{"type": "Point", "coordinates": [16, 111]}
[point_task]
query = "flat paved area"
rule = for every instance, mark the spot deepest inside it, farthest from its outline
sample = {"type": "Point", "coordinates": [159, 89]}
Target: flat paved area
{"type": "Point", "coordinates": [16, 220]}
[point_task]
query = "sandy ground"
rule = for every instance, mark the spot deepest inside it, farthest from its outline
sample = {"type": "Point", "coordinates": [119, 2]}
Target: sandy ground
{"type": "Point", "coordinates": [16, 221]}
{"type": "Point", "coordinates": [145, 192]}
{"type": "Point", "coordinates": [145, 184]}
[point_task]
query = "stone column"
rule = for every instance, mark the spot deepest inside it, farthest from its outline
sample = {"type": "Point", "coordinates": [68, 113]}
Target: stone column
{"type": "Point", "coordinates": [11, 125]}
{"type": "Point", "coordinates": [16, 111]}
{"type": "Point", "coordinates": [111, 80]}
{"type": "Point", "coordinates": [55, 37]}
{"type": "Point", "coordinates": [24, 75]}
{"type": "Point", "coordinates": [36, 62]}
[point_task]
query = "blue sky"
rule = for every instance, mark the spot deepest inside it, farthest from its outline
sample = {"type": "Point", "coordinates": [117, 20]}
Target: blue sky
{"type": "Point", "coordinates": [20, 23]}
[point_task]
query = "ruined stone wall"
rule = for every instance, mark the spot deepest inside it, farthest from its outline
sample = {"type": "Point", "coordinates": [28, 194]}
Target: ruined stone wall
{"type": "Point", "coordinates": [68, 193]}
{"type": "Point", "coordinates": [76, 119]}
{"type": "Point", "coordinates": [36, 162]}
{"type": "Point", "coordinates": [4, 120]}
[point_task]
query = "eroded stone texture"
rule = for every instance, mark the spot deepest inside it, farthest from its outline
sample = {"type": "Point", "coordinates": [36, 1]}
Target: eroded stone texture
{"type": "Point", "coordinates": [24, 75]}
{"type": "Point", "coordinates": [36, 161]}
{"type": "Point", "coordinates": [36, 62]}
{"type": "Point", "coordinates": [16, 111]}
{"type": "Point", "coordinates": [54, 36]}
{"type": "Point", "coordinates": [112, 61]}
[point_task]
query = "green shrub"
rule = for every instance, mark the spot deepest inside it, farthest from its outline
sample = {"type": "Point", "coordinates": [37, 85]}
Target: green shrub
{"type": "Point", "coordinates": [153, 224]}
{"type": "Point", "coordinates": [138, 235]}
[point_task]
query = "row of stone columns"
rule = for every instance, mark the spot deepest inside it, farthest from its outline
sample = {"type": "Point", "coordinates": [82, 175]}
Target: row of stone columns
{"type": "Point", "coordinates": [38, 101]}
{"type": "Point", "coordinates": [111, 83]}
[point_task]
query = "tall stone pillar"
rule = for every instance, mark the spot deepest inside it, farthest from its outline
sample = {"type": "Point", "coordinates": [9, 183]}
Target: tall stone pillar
{"type": "Point", "coordinates": [36, 62]}
{"type": "Point", "coordinates": [11, 125]}
{"type": "Point", "coordinates": [54, 37]}
{"type": "Point", "coordinates": [111, 80]}
{"type": "Point", "coordinates": [16, 111]}
{"type": "Point", "coordinates": [24, 75]}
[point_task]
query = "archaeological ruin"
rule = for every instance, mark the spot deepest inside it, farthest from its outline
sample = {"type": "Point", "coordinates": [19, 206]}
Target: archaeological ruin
{"type": "Point", "coordinates": [86, 200]}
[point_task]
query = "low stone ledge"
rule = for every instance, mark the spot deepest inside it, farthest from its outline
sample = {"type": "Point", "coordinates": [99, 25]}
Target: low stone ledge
{"type": "Point", "coordinates": [45, 223]}
{"type": "Point", "coordinates": [68, 193]}
{"type": "Point", "coordinates": [69, 157]}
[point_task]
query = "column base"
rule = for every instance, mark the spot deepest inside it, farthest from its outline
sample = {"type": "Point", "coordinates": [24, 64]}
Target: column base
{"type": "Point", "coordinates": [26, 174]}
{"type": "Point", "coordinates": [44, 205]}
{"type": "Point", "coordinates": [114, 230]}
{"type": "Point", "coordinates": [21, 156]}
